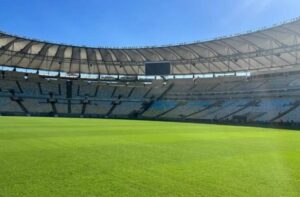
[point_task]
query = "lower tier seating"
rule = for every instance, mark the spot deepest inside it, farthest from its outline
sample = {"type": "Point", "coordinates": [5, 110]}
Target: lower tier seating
{"type": "Point", "coordinates": [261, 99]}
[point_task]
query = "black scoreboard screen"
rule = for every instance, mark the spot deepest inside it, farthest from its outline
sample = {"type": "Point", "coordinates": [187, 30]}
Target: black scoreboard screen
{"type": "Point", "coordinates": [160, 68]}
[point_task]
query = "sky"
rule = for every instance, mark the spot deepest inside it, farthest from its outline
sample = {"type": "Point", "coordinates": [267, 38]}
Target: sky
{"type": "Point", "coordinates": [132, 23]}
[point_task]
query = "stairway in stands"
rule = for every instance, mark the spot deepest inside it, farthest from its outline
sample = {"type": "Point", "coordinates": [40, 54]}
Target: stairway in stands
{"type": "Point", "coordinates": [170, 110]}
{"type": "Point", "coordinates": [147, 104]}
{"type": "Point", "coordinates": [251, 103]}
{"type": "Point", "coordinates": [204, 109]}
{"type": "Point", "coordinates": [84, 107]}
{"type": "Point", "coordinates": [293, 107]}
{"type": "Point", "coordinates": [18, 100]}
{"type": "Point", "coordinates": [114, 104]}
{"type": "Point", "coordinates": [165, 92]}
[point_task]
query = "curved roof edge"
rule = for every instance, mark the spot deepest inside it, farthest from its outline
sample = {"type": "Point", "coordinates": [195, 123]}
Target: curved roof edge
{"type": "Point", "coordinates": [269, 48]}
{"type": "Point", "coordinates": [259, 29]}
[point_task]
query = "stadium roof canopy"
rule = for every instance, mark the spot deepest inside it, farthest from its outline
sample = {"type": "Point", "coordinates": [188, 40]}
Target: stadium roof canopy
{"type": "Point", "coordinates": [276, 47]}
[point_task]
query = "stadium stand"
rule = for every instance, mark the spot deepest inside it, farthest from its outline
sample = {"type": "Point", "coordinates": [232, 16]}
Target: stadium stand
{"type": "Point", "coordinates": [263, 99]}
{"type": "Point", "coordinates": [236, 79]}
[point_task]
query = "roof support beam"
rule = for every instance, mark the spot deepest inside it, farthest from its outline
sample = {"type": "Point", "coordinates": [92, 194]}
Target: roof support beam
{"type": "Point", "coordinates": [276, 41]}
{"type": "Point", "coordinates": [216, 53]}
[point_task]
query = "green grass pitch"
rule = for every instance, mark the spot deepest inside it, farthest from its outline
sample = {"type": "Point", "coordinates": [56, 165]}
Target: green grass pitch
{"type": "Point", "coordinates": [89, 157]}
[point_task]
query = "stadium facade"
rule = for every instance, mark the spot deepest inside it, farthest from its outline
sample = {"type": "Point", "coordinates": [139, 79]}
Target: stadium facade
{"type": "Point", "coordinates": [251, 77]}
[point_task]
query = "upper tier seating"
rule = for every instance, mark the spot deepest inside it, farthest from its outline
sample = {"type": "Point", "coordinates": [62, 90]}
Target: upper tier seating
{"type": "Point", "coordinates": [30, 88]}
{"type": "Point", "coordinates": [86, 89]}
{"type": "Point", "coordinates": [105, 92]}
{"type": "Point", "coordinates": [50, 87]}
{"type": "Point", "coordinates": [139, 92]}
{"type": "Point", "coordinates": [122, 92]}
{"type": "Point", "coordinates": [9, 85]}
{"type": "Point", "coordinates": [156, 92]}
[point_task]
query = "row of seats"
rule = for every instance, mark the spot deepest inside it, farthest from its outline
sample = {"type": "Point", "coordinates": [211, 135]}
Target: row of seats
{"type": "Point", "coordinates": [262, 110]}
{"type": "Point", "coordinates": [236, 84]}
{"type": "Point", "coordinates": [58, 90]}
{"type": "Point", "coordinates": [42, 106]}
